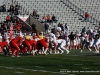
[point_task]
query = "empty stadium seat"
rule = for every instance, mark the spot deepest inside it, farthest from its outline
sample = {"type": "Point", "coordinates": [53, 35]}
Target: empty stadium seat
{"type": "Point", "coordinates": [63, 13]}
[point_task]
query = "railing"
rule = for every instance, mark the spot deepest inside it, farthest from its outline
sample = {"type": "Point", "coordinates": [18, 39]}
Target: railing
{"type": "Point", "coordinates": [5, 2]}
{"type": "Point", "coordinates": [80, 12]}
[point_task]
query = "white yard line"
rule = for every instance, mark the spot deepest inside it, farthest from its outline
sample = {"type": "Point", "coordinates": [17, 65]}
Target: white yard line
{"type": "Point", "coordinates": [19, 72]}
{"type": "Point", "coordinates": [71, 59]}
{"type": "Point", "coordinates": [78, 64]}
{"type": "Point", "coordinates": [30, 70]}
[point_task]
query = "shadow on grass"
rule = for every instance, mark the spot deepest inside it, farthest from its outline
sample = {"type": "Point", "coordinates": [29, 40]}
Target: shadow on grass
{"type": "Point", "coordinates": [91, 55]}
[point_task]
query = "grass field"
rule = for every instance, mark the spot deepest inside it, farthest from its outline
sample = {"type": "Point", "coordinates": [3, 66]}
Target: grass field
{"type": "Point", "coordinates": [74, 63]}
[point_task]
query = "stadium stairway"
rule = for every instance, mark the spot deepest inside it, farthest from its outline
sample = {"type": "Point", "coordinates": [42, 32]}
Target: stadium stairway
{"type": "Point", "coordinates": [90, 6]}
{"type": "Point", "coordinates": [63, 13]}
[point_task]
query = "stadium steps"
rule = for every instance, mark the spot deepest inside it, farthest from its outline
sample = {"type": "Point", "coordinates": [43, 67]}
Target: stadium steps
{"type": "Point", "coordinates": [91, 6]}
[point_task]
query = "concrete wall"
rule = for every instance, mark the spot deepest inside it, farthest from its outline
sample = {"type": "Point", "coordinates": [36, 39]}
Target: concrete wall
{"type": "Point", "coordinates": [39, 26]}
{"type": "Point", "coordinates": [26, 26]}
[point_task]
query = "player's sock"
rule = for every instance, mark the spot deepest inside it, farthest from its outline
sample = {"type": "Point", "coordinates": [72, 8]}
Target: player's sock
{"type": "Point", "coordinates": [67, 51]}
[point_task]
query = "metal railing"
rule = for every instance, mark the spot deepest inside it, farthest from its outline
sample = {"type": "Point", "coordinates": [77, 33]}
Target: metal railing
{"type": "Point", "coordinates": [5, 2]}
{"type": "Point", "coordinates": [80, 12]}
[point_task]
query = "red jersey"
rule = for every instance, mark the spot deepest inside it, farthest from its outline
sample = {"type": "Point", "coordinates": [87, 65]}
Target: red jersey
{"type": "Point", "coordinates": [44, 18]}
{"type": "Point", "coordinates": [86, 15]}
{"type": "Point", "coordinates": [33, 43]}
{"type": "Point", "coordinates": [17, 39]}
{"type": "Point", "coordinates": [3, 44]}
{"type": "Point", "coordinates": [42, 43]}
{"type": "Point", "coordinates": [48, 17]}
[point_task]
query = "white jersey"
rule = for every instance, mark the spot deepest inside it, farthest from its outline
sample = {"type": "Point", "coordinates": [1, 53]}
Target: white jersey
{"type": "Point", "coordinates": [67, 40]}
{"type": "Point", "coordinates": [78, 41]}
{"type": "Point", "coordinates": [86, 39]}
{"type": "Point", "coordinates": [98, 42]}
{"type": "Point", "coordinates": [91, 42]}
{"type": "Point", "coordinates": [52, 37]}
{"type": "Point", "coordinates": [75, 42]}
{"type": "Point", "coordinates": [0, 38]}
{"type": "Point", "coordinates": [59, 41]}
{"type": "Point", "coordinates": [82, 39]}
{"type": "Point", "coordinates": [62, 42]}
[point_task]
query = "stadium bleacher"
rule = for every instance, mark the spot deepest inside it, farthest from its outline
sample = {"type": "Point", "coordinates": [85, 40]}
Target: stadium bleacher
{"type": "Point", "coordinates": [62, 12]}
{"type": "Point", "coordinates": [4, 14]}
{"type": "Point", "coordinates": [90, 6]}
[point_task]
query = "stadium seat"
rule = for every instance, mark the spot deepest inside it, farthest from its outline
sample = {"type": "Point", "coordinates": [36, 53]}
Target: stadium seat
{"type": "Point", "coordinates": [63, 13]}
{"type": "Point", "coordinates": [88, 6]}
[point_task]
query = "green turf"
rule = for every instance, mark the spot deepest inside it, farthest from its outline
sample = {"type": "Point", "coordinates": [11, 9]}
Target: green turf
{"type": "Point", "coordinates": [74, 63]}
